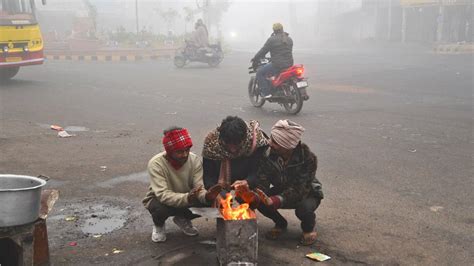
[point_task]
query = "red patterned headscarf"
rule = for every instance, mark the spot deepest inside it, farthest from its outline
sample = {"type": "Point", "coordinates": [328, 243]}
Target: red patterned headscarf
{"type": "Point", "coordinates": [177, 139]}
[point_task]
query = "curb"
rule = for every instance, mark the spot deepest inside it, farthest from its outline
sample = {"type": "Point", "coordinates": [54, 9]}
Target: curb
{"type": "Point", "coordinates": [454, 49]}
{"type": "Point", "coordinates": [106, 58]}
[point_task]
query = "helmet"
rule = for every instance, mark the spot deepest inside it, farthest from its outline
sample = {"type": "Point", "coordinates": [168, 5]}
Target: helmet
{"type": "Point", "coordinates": [277, 27]}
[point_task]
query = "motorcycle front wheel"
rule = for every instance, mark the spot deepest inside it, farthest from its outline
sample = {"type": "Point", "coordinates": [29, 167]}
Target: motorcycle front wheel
{"type": "Point", "coordinates": [254, 93]}
{"type": "Point", "coordinates": [296, 103]}
{"type": "Point", "coordinates": [216, 60]}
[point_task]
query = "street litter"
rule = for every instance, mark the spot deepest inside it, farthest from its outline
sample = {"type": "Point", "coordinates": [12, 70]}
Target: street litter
{"type": "Point", "coordinates": [414, 150]}
{"type": "Point", "coordinates": [56, 127]}
{"type": "Point", "coordinates": [117, 251]}
{"type": "Point", "coordinates": [64, 134]}
{"type": "Point", "coordinates": [171, 113]}
{"type": "Point", "coordinates": [61, 132]}
{"type": "Point", "coordinates": [73, 243]}
{"type": "Point", "coordinates": [208, 242]}
{"type": "Point", "coordinates": [70, 218]}
{"type": "Point", "coordinates": [436, 208]}
{"type": "Point", "coordinates": [97, 236]}
{"type": "Point", "coordinates": [103, 168]}
{"type": "Point", "coordinates": [318, 256]}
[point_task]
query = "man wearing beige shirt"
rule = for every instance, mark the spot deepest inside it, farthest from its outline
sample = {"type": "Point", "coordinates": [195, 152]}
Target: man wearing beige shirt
{"type": "Point", "coordinates": [176, 184]}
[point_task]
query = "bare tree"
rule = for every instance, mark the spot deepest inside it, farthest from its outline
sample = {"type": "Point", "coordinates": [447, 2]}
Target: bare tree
{"type": "Point", "coordinates": [169, 17]}
{"type": "Point", "coordinates": [212, 11]}
{"type": "Point", "coordinates": [189, 16]}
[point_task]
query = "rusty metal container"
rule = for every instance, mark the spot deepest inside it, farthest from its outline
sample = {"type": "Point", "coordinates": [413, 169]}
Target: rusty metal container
{"type": "Point", "coordinates": [237, 242]}
{"type": "Point", "coordinates": [20, 198]}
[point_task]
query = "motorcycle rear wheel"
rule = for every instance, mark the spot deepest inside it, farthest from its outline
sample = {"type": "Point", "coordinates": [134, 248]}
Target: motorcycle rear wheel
{"type": "Point", "coordinates": [295, 106]}
{"type": "Point", "coordinates": [179, 61]}
{"type": "Point", "coordinates": [254, 94]}
{"type": "Point", "coordinates": [214, 62]}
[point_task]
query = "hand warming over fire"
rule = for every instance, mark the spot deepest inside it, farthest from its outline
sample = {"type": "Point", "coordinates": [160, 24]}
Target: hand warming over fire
{"type": "Point", "coordinates": [240, 184]}
{"type": "Point", "coordinates": [243, 192]}
{"type": "Point", "coordinates": [272, 201]}
{"type": "Point", "coordinates": [212, 192]}
{"type": "Point", "coordinates": [193, 194]}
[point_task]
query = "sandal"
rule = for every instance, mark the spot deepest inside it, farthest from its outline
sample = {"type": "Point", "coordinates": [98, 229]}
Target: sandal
{"type": "Point", "coordinates": [308, 238]}
{"type": "Point", "coordinates": [275, 233]}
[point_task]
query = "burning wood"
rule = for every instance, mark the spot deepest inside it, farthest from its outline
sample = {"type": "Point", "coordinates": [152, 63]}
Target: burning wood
{"type": "Point", "coordinates": [241, 212]}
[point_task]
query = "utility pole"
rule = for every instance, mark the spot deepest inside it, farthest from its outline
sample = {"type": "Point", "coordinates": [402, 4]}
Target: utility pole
{"type": "Point", "coordinates": [440, 23]}
{"type": "Point", "coordinates": [404, 24]}
{"type": "Point", "coordinates": [389, 32]}
{"type": "Point", "coordinates": [136, 16]}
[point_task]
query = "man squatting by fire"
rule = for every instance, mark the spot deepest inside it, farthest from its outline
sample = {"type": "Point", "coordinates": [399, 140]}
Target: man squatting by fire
{"type": "Point", "coordinates": [286, 179]}
{"type": "Point", "coordinates": [231, 153]}
{"type": "Point", "coordinates": [176, 184]}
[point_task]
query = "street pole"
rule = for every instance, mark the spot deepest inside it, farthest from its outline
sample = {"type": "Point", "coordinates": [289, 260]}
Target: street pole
{"type": "Point", "coordinates": [440, 23]}
{"type": "Point", "coordinates": [404, 24]}
{"type": "Point", "coordinates": [389, 33]}
{"type": "Point", "coordinates": [136, 16]}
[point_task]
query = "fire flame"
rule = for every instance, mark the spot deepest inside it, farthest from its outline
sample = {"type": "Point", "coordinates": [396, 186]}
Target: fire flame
{"type": "Point", "coordinates": [242, 212]}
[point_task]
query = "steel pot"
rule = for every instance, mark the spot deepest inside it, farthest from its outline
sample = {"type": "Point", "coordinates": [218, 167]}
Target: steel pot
{"type": "Point", "coordinates": [20, 198]}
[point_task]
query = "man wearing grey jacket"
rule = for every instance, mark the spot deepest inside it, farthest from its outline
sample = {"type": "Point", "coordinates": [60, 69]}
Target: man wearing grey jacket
{"type": "Point", "coordinates": [176, 184]}
{"type": "Point", "coordinates": [280, 46]}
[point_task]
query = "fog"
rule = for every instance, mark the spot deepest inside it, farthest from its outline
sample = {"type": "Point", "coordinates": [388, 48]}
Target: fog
{"type": "Point", "coordinates": [243, 24]}
{"type": "Point", "coordinates": [382, 88]}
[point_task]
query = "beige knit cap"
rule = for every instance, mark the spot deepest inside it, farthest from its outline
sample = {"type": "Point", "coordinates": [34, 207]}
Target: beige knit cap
{"type": "Point", "coordinates": [287, 133]}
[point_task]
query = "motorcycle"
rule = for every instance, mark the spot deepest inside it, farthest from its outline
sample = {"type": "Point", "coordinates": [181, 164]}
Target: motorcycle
{"type": "Point", "coordinates": [211, 55]}
{"type": "Point", "coordinates": [288, 87]}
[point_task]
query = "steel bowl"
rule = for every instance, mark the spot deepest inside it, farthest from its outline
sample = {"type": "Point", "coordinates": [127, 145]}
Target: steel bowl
{"type": "Point", "coordinates": [20, 199]}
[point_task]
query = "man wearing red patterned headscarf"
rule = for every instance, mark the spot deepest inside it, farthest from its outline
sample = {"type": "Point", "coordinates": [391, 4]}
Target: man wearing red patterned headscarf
{"type": "Point", "coordinates": [175, 184]}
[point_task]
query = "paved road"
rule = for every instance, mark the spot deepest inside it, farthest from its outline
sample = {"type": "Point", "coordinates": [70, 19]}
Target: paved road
{"type": "Point", "coordinates": [393, 134]}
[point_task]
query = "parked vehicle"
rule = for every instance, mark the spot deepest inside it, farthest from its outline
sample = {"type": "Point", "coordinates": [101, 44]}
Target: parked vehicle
{"type": "Point", "coordinates": [21, 43]}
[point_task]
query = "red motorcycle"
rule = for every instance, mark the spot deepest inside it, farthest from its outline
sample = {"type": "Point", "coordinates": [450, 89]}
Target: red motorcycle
{"type": "Point", "coordinates": [288, 87]}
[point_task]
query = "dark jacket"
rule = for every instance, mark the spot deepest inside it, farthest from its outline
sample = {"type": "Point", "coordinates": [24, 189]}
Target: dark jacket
{"type": "Point", "coordinates": [294, 182]}
{"type": "Point", "coordinates": [244, 167]}
{"type": "Point", "coordinates": [280, 46]}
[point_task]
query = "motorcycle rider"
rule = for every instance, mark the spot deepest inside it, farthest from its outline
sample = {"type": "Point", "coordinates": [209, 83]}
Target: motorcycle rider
{"type": "Point", "coordinates": [200, 37]}
{"type": "Point", "coordinates": [280, 46]}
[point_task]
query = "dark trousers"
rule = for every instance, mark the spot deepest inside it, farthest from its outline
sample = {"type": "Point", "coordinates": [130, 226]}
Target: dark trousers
{"type": "Point", "coordinates": [304, 210]}
{"type": "Point", "coordinates": [160, 212]}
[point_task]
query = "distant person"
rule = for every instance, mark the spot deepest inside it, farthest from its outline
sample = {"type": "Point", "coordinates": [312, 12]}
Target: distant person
{"type": "Point", "coordinates": [287, 177]}
{"type": "Point", "coordinates": [175, 184]}
{"type": "Point", "coordinates": [200, 36]}
{"type": "Point", "coordinates": [280, 47]}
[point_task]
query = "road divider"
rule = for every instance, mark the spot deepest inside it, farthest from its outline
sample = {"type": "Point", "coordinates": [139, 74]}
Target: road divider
{"type": "Point", "coordinates": [110, 55]}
